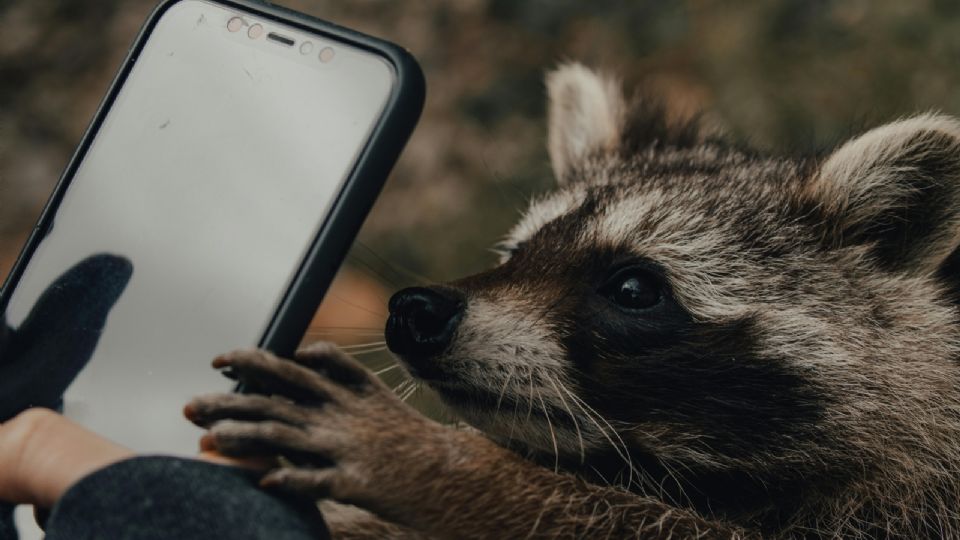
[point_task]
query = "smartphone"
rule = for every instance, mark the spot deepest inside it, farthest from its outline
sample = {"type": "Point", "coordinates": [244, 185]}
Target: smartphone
{"type": "Point", "coordinates": [206, 209]}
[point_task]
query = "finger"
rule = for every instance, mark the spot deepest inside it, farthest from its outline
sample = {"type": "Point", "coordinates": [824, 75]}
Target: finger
{"type": "Point", "coordinates": [272, 375]}
{"type": "Point", "coordinates": [327, 358]}
{"type": "Point", "coordinates": [245, 439]}
{"type": "Point", "coordinates": [313, 483]}
{"type": "Point", "coordinates": [204, 411]}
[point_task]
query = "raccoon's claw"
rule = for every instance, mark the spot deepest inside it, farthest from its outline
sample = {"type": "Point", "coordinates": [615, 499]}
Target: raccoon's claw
{"type": "Point", "coordinates": [204, 411]}
{"type": "Point", "coordinates": [239, 439]}
{"type": "Point", "coordinates": [245, 425]}
{"type": "Point", "coordinates": [326, 358]}
{"type": "Point", "coordinates": [268, 374]}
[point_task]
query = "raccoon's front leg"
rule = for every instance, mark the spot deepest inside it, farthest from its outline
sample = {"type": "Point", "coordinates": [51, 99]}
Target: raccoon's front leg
{"type": "Point", "coordinates": [354, 441]}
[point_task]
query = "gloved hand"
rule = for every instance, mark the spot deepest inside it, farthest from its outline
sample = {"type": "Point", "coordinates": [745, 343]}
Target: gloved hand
{"type": "Point", "coordinates": [40, 358]}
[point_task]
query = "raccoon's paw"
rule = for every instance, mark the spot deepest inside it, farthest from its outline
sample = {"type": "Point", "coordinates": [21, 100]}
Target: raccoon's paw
{"type": "Point", "coordinates": [342, 428]}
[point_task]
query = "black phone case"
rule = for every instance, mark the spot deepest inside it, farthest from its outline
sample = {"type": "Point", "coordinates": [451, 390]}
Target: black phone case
{"type": "Point", "coordinates": [348, 210]}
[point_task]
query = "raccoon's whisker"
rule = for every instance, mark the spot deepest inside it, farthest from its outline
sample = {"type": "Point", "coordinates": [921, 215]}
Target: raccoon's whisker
{"type": "Point", "coordinates": [358, 306]}
{"type": "Point", "coordinates": [410, 392]}
{"type": "Point", "coordinates": [412, 389]}
{"type": "Point", "coordinates": [337, 329]}
{"type": "Point", "coordinates": [348, 330]}
{"type": "Point", "coordinates": [499, 180]}
{"type": "Point", "coordinates": [381, 348]}
{"type": "Point", "coordinates": [333, 335]}
{"type": "Point", "coordinates": [402, 387]}
{"type": "Point", "coordinates": [576, 424]}
{"type": "Point", "coordinates": [373, 272]}
{"type": "Point", "coordinates": [504, 389]}
{"type": "Point", "coordinates": [622, 450]}
{"type": "Point", "coordinates": [624, 454]}
{"type": "Point", "coordinates": [530, 399]}
{"type": "Point", "coordinates": [553, 434]}
{"type": "Point", "coordinates": [590, 416]}
{"type": "Point", "coordinates": [513, 418]}
{"type": "Point", "coordinates": [362, 345]}
{"type": "Point", "coordinates": [398, 269]}
{"type": "Point", "coordinates": [676, 477]}
{"type": "Point", "coordinates": [391, 367]}
{"type": "Point", "coordinates": [600, 474]}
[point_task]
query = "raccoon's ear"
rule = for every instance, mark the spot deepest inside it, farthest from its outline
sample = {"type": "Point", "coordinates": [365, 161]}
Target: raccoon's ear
{"type": "Point", "coordinates": [896, 188]}
{"type": "Point", "coordinates": [585, 117]}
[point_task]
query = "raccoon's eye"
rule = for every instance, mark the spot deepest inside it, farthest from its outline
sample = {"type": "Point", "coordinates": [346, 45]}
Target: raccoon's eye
{"type": "Point", "coordinates": [632, 288]}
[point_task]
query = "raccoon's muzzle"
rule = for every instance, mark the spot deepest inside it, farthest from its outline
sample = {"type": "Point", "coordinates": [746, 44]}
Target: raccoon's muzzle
{"type": "Point", "coordinates": [423, 320]}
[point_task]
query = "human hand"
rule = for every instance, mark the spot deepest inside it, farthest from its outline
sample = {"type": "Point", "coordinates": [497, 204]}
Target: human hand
{"type": "Point", "coordinates": [43, 453]}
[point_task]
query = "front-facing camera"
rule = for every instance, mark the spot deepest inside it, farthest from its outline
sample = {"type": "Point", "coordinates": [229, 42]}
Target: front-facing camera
{"type": "Point", "coordinates": [327, 54]}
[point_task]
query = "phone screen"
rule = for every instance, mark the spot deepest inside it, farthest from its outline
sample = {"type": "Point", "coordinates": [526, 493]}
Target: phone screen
{"type": "Point", "coordinates": [192, 209]}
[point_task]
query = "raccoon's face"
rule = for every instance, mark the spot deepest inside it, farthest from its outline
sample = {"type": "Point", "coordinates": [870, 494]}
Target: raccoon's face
{"type": "Point", "coordinates": [711, 309]}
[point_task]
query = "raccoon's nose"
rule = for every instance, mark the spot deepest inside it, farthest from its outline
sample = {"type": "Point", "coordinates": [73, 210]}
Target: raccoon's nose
{"type": "Point", "coordinates": [422, 321]}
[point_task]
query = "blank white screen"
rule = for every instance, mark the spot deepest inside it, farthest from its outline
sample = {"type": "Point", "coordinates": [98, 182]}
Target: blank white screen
{"type": "Point", "coordinates": [212, 173]}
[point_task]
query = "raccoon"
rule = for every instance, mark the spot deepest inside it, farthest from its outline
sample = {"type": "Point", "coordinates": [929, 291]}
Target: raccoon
{"type": "Point", "coordinates": [685, 339]}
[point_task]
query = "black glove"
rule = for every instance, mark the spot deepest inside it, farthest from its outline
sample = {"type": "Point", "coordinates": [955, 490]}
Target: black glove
{"type": "Point", "coordinates": [40, 359]}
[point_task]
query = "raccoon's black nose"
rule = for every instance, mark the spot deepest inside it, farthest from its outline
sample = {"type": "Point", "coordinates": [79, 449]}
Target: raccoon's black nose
{"type": "Point", "coordinates": [422, 321]}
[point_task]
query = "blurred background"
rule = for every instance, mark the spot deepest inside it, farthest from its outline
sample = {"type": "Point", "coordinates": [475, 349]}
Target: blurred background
{"type": "Point", "coordinates": [792, 76]}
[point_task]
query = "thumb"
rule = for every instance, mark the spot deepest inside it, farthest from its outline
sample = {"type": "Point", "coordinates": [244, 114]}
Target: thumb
{"type": "Point", "coordinates": [43, 356]}
{"type": "Point", "coordinates": [79, 300]}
